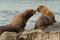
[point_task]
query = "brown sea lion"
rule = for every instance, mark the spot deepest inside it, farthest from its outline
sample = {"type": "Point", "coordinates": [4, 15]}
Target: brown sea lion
{"type": "Point", "coordinates": [47, 18]}
{"type": "Point", "coordinates": [18, 23]}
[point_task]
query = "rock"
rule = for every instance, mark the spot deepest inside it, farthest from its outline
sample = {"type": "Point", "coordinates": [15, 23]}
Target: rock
{"type": "Point", "coordinates": [40, 35]}
{"type": "Point", "coordinates": [50, 33]}
{"type": "Point", "coordinates": [8, 36]}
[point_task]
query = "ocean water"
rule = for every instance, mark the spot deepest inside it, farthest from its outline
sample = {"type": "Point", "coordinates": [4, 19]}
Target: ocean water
{"type": "Point", "coordinates": [9, 8]}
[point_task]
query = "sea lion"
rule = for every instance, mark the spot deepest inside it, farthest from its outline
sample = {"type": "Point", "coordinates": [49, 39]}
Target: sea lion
{"type": "Point", "coordinates": [47, 18]}
{"type": "Point", "coordinates": [18, 22]}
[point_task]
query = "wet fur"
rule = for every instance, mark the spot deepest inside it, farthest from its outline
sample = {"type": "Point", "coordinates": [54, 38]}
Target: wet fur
{"type": "Point", "coordinates": [18, 22]}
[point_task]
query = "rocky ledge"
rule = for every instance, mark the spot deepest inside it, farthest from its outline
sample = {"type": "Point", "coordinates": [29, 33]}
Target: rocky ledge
{"type": "Point", "coordinates": [50, 33]}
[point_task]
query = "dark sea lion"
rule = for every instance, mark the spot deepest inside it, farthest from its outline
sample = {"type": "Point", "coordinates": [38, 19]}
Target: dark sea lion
{"type": "Point", "coordinates": [18, 23]}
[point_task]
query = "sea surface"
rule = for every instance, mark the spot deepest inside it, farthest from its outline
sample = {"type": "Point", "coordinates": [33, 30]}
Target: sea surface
{"type": "Point", "coordinates": [9, 8]}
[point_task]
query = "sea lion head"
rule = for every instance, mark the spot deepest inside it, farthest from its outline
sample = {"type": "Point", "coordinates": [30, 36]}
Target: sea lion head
{"type": "Point", "coordinates": [42, 8]}
{"type": "Point", "coordinates": [29, 12]}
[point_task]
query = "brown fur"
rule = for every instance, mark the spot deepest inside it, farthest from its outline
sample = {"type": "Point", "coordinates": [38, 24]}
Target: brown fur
{"type": "Point", "coordinates": [47, 18]}
{"type": "Point", "coordinates": [18, 23]}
